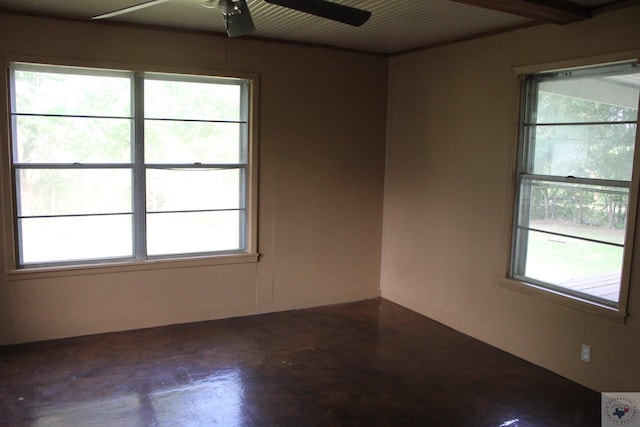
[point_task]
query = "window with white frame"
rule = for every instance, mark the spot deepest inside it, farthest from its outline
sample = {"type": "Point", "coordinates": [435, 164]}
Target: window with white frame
{"type": "Point", "coordinates": [120, 165]}
{"type": "Point", "coordinates": [572, 222]}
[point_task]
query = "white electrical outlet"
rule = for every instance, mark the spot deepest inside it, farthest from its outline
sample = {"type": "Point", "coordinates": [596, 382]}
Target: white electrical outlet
{"type": "Point", "coordinates": [585, 353]}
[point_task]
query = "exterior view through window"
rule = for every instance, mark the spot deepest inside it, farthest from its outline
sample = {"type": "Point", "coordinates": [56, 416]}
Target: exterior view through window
{"type": "Point", "coordinates": [575, 173]}
{"type": "Point", "coordinates": [116, 165]}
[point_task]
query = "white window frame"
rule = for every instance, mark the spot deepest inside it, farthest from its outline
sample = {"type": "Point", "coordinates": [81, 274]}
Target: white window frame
{"type": "Point", "coordinates": [248, 191]}
{"type": "Point", "coordinates": [516, 278]}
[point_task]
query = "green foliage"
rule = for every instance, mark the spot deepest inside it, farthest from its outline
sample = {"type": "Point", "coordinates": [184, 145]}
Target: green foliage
{"type": "Point", "coordinates": [601, 149]}
{"type": "Point", "coordinates": [586, 205]}
{"type": "Point", "coordinates": [595, 145]}
{"type": "Point", "coordinates": [45, 137]}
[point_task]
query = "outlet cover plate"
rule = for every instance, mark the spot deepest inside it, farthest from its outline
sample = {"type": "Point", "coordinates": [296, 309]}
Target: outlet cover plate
{"type": "Point", "coordinates": [585, 353]}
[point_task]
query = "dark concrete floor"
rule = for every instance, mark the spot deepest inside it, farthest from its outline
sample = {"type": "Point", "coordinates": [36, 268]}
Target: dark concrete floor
{"type": "Point", "coordinates": [370, 363]}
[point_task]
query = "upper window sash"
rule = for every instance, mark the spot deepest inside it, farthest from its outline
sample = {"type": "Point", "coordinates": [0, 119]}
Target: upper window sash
{"type": "Point", "coordinates": [548, 122]}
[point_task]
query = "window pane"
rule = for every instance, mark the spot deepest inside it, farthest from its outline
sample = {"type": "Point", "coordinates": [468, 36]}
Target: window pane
{"type": "Point", "coordinates": [596, 151]}
{"type": "Point", "coordinates": [587, 267]}
{"type": "Point", "coordinates": [194, 232]}
{"type": "Point", "coordinates": [75, 238]}
{"type": "Point", "coordinates": [588, 99]}
{"type": "Point", "coordinates": [191, 100]}
{"type": "Point", "coordinates": [72, 94]}
{"type": "Point", "coordinates": [191, 142]}
{"type": "Point", "coordinates": [72, 139]}
{"type": "Point", "coordinates": [193, 189]}
{"type": "Point", "coordinates": [73, 191]}
{"type": "Point", "coordinates": [580, 124]}
{"type": "Point", "coordinates": [597, 213]}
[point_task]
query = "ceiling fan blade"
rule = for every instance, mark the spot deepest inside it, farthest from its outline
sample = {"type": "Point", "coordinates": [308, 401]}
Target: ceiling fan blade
{"type": "Point", "coordinates": [130, 9]}
{"type": "Point", "coordinates": [325, 9]}
{"type": "Point", "coordinates": [239, 23]}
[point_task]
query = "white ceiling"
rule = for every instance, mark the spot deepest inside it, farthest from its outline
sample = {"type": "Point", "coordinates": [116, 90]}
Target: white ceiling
{"type": "Point", "coordinates": [395, 26]}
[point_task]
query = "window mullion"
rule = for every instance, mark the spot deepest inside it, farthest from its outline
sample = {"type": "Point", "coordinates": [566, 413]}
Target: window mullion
{"type": "Point", "coordinates": [139, 178]}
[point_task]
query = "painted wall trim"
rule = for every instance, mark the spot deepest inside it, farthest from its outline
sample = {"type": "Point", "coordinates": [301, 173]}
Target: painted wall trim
{"type": "Point", "coordinates": [613, 57]}
{"type": "Point", "coordinates": [51, 272]}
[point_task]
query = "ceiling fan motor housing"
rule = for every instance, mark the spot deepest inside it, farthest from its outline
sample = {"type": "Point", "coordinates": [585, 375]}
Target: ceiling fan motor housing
{"type": "Point", "coordinates": [229, 7]}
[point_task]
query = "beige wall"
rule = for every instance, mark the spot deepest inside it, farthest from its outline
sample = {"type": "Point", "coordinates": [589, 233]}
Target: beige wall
{"type": "Point", "coordinates": [322, 119]}
{"type": "Point", "coordinates": [450, 161]}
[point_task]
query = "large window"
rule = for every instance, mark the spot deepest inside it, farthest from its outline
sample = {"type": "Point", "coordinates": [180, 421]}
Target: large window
{"type": "Point", "coordinates": [116, 165]}
{"type": "Point", "coordinates": [575, 175]}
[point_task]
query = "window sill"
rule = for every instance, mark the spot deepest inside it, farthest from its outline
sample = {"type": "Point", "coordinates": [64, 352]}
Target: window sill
{"type": "Point", "coordinates": [130, 266]}
{"type": "Point", "coordinates": [603, 311]}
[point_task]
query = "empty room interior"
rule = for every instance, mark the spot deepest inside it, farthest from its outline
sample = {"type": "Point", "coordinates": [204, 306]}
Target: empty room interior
{"type": "Point", "coordinates": [383, 271]}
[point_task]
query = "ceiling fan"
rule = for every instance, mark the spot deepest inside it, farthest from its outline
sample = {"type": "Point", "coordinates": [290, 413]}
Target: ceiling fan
{"type": "Point", "coordinates": [237, 17]}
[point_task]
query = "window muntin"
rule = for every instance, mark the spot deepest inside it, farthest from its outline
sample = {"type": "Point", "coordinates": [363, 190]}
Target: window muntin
{"type": "Point", "coordinates": [114, 165]}
{"type": "Point", "coordinates": [578, 140]}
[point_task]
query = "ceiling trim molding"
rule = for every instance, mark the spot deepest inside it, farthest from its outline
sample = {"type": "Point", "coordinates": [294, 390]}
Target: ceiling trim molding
{"type": "Point", "coordinates": [465, 38]}
{"type": "Point", "coordinates": [610, 7]}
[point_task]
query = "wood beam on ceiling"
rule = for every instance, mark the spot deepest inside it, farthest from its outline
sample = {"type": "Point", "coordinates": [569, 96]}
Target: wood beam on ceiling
{"type": "Point", "coordinates": [553, 11]}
